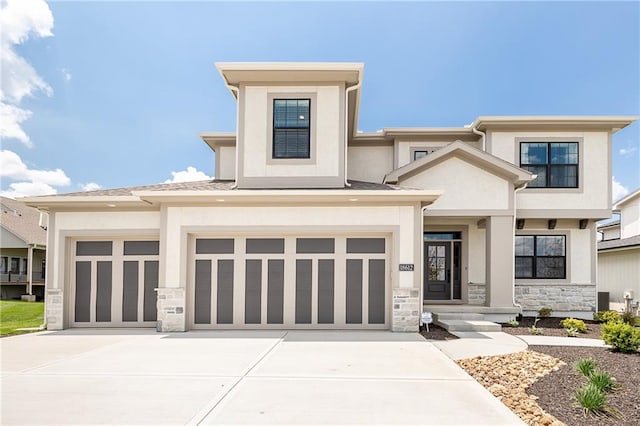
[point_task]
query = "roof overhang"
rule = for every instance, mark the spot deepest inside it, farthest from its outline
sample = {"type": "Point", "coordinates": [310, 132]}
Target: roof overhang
{"type": "Point", "coordinates": [625, 200]}
{"type": "Point", "coordinates": [472, 155]}
{"type": "Point", "coordinates": [549, 122]}
{"type": "Point", "coordinates": [57, 202]}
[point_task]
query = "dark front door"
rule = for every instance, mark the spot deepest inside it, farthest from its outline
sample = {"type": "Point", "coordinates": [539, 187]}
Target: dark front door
{"type": "Point", "coordinates": [437, 270]}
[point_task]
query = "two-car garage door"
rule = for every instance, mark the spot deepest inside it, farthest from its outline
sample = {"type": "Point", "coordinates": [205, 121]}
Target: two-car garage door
{"type": "Point", "coordinates": [290, 282]}
{"type": "Point", "coordinates": [336, 282]}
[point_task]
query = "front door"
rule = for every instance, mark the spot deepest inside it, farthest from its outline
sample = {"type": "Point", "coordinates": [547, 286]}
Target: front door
{"type": "Point", "coordinates": [442, 261]}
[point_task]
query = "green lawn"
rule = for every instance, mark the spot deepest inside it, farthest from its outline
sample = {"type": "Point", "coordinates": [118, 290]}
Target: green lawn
{"type": "Point", "coordinates": [14, 315]}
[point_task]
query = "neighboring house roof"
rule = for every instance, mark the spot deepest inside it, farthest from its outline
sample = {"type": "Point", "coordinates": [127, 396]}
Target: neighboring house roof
{"type": "Point", "coordinates": [225, 191]}
{"type": "Point", "coordinates": [634, 195]}
{"type": "Point", "coordinates": [22, 221]}
{"type": "Point", "coordinates": [619, 243]}
{"type": "Point", "coordinates": [462, 150]}
{"type": "Point", "coordinates": [613, 224]}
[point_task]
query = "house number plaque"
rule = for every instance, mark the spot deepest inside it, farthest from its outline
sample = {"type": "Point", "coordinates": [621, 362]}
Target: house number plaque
{"type": "Point", "coordinates": [406, 266]}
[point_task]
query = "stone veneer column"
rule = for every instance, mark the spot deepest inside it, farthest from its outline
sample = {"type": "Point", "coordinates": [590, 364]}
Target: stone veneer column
{"type": "Point", "coordinates": [54, 309]}
{"type": "Point", "coordinates": [406, 310]}
{"type": "Point", "coordinates": [499, 261]}
{"type": "Point", "coordinates": [171, 309]}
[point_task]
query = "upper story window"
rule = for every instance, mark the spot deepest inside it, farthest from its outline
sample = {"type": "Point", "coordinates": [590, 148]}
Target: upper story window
{"type": "Point", "coordinates": [540, 256]}
{"type": "Point", "coordinates": [419, 154]}
{"type": "Point", "coordinates": [555, 163]}
{"type": "Point", "coordinates": [291, 128]}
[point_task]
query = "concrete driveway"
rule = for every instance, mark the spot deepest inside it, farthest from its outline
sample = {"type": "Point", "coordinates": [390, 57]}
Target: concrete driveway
{"type": "Point", "coordinates": [248, 377]}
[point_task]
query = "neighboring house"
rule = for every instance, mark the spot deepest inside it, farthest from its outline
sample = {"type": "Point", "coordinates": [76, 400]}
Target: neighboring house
{"type": "Point", "coordinates": [619, 254]}
{"type": "Point", "coordinates": [310, 223]}
{"type": "Point", "coordinates": [22, 250]}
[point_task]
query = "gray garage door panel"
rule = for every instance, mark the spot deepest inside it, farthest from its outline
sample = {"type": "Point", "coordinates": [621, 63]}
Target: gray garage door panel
{"type": "Point", "coordinates": [130, 291]}
{"type": "Point", "coordinates": [303, 291]}
{"type": "Point", "coordinates": [150, 306]}
{"type": "Point", "coordinates": [376, 291]}
{"type": "Point", "coordinates": [354, 291]}
{"type": "Point", "coordinates": [225, 292]}
{"type": "Point", "coordinates": [326, 291]}
{"type": "Point", "coordinates": [103, 292]}
{"type": "Point", "coordinates": [83, 292]}
{"type": "Point", "coordinates": [253, 292]}
{"type": "Point", "coordinates": [203, 292]}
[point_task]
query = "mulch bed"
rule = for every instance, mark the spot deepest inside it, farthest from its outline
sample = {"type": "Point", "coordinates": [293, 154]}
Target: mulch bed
{"type": "Point", "coordinates": [556, 390]}
{"type": "Point", "coordinates": [436, 333]}
{"type": "Point", "coordinates": [551, 327]}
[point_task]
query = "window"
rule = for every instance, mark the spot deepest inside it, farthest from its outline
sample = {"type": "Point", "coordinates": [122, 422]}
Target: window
{"type": "Point", "coordinates": [291, 128]}
{"type": "Point", "coordinates": [555, 163]}
{"type": "Point", "coordinates": [4, 265]}
{"type": "Point", "coordinates": [15, 265]}
{"type": "Point", "coordinates": [23, 267]}
{"type": "Point", "coordinates": [419, 154]}
{"type": "Point", "coordinates": [540, 256]}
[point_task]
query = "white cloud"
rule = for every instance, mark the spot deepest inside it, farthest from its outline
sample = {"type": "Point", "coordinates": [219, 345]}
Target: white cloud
{"type": "Point", "coordinates": [29, 181]}
{"type": "Point", "coordinates": [91, 186]}
{"type": "Point", "coordinates": [617, 189]}
{"type": "Point", "coordinates": [627, 151]}
{"type": "Point", "coordinates": [20, 20]}
{"type": "Point", "coordinates": [66, 74]}
{"type": "Point", "coordinates": [189, 175]}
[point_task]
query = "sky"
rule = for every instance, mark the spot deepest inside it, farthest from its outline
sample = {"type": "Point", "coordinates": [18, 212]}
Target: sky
{"type": "Point", "coordinates": [114, 93]}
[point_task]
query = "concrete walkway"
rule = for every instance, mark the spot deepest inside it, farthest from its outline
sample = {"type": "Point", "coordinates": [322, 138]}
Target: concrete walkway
{"type": "Point", "coordinates": [563, 341]}
{"type": "Point", "coordinates": [269, 377]}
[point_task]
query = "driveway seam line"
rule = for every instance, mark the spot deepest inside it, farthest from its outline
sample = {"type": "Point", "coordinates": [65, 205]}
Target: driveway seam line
{"type": "Point", "coordinates": [199, 417]}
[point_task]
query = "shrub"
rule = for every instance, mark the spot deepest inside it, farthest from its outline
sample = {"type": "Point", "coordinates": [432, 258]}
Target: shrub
{"type": "Point", "coordinates": [606, 316]}
{"type": "Point", "coordinates": [585, 366]}
{"type": "Point", "coordinates": [603, 381]}
{"type": "Point", "coordinates": [591, 399]}
{"type": "Point", "coordinates": [579, 325]}
{"type": "Point", "coordinates": [572, 332]}
{"type": "Point", "coordinates": [623, 337]}
{"type": "Point", "coordinates": [545, 312]}
{"type": "Point", "coordinates": [629, 318]}
{"type": "Point", "coordinates": [513, 323]}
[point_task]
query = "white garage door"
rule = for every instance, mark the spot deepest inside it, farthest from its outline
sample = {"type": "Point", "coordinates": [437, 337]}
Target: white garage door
{"type": "Point", "coordinates": [290, 282]}
{"type": "Point", "coordinates": [113, 283]}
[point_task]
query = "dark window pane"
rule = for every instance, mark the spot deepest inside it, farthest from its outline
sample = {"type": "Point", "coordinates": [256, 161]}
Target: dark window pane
{"type": "Point", "coordinates": [93, 248]}
{"type": "Point", "coordinates": [533, 153]}
{"type": "Point", "coordinates": [564, 153]}
{"type": "Point", "coordinates": [541, 180]}
{"type": "Point", "coordinates": [563, 176]}
{"type": "Point", "coordinates": [550, 245]}
{"type": "Point", "coordinates": [419, 154]}
{"type": "Point", "coordinates": [524, 245]}
{"type": "Point", "coordinates": [524, 267]}
{"type": "Point", "coordinates": [291, 124]}
{"type": "Point", "coordinates": [550, 267]}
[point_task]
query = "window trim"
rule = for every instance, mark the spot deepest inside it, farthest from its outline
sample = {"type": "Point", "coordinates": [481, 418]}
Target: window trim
{"type": "Point", "coordinates": [568, 138]}
{"type": "Point", "coordinates": [313, 108]}
{"type": "Point", "coordinates": [565, 275]}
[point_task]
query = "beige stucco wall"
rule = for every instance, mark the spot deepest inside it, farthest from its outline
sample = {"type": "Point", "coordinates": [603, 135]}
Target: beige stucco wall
{"type": "Point", "coordinates": [618, 271]}
{"type": "Point", "coordinates": [466, 187]}
{"type": "Point", "coordinates": [594, 171]}
{"type": "Point", "coordinates": [226, 163]}
{"type": "Point", "coordinates": [369, 163]}
{"type": "Point", "coordinates": [256, 130]}
{"type": "Point", "coordinates": [630, 219]}
{"type": "Point", "coordinates": [404, 148]}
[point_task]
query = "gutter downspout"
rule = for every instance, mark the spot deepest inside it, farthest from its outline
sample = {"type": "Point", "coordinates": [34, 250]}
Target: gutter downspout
{"type": "Point", "coordinates": [346, 128]}
{"type": "Point", "coordinates": [479, 133]}
{"type": "Point", "coordinates": [236, 90]}
{"type": "Point", "coordinates": [513, 244]}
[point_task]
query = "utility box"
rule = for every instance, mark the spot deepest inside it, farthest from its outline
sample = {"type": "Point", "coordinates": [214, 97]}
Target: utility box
{"type": "Point", "coordinates": [603, 301]}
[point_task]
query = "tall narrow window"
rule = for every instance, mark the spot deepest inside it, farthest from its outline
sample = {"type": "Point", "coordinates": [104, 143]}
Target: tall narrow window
{"type": "Point", "coordinates": [555, 163]}
{"type": "Point", "coordinates": [291, 128]}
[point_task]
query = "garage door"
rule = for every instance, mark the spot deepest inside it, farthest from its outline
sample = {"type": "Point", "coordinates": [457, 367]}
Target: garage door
{"type": "Point", "coordinates": [113, 283]}
{"type": "Point", "coordinates": [290, 282]}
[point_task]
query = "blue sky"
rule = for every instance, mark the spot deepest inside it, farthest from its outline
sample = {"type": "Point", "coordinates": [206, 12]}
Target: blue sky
{"type": "Point", "coordinates": [124, 88]}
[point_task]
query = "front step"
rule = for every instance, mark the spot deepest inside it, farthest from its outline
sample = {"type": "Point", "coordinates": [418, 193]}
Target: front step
{"type": "Point", "coordinates": [468, 325]}
{"type": "Point", "coordinates": [459, 316]}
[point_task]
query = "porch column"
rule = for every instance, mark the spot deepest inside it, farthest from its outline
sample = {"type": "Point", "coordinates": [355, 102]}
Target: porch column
{"type": "Point", "coordinates": [499, 261]}
{"type": "Point", "coordinates": [30, 270]}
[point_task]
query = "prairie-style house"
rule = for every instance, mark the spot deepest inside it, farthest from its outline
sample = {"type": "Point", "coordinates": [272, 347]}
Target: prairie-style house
{"type": "Point", "coordinates": [311, 224]}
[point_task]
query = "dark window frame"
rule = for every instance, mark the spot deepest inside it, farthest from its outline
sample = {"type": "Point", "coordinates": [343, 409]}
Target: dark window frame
{"type": "Point", "coordinates": [534, 258]}
{"type": "Point", "coordinates": [549, 165]}
{"type": "Point", "coordinates": [420, 151]}
{"type": "Point", "coordinates": [275, 129]}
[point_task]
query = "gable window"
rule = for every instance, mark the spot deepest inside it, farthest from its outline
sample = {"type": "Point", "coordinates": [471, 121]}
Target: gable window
{"type": "Point", "coordinates": [540, 256]}
{"type": "Point", "coordinates": [291, 128]}
{"type": "Point", "coordinates": [419, 154]}
{"type": "Point", "coordinates": [555, 163]}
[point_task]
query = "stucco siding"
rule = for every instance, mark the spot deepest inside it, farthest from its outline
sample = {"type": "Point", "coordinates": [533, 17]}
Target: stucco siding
{"type": "Point", "coordinates": [630, 219]}
{"type": "Point", "coordinates": [369, 163]}
{"type": "Point", "coordinates": [226, 163]}
{"type": "Point", "coordinates": [618, 271]}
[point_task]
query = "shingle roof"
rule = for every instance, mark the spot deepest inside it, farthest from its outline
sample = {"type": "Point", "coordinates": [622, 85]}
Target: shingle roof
{"type": "Point", "coordinates": [619, 243]}
{"type": "Point", "coordinates": [23, 221]}
{"type": "Point", "coordinates": [213, 185]}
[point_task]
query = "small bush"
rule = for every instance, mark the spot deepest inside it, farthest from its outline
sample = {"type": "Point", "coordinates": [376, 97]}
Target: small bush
{"type": "Point", "coordinates": [577, 324]}
{"type": "Point", "coordinates": [603, 381]}
{"type": "Point", "coordinates": [591, 399]}
{"type": "Point", "coordinates": [513, 323]}
{"type": "Point", "coordinates": [536, 330]}
{"type": "Point", "coordinates": [623, 337]}
{"type": "Point", "coordinates": [585, 366]}
{"type": "Point", "coordinates": [629, 318]}
{"type": "Point", "coordinates": [545, 312]}
{"type": "Point", "coordinates": [572, 332]}
{"type": "Point", "coordinates": [606, 316]}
